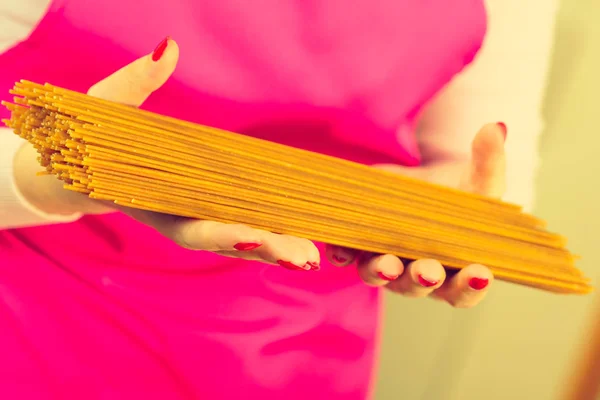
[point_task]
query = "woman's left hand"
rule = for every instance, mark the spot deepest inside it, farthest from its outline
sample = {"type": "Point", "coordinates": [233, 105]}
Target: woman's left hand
{"type": "Point", "coordinates": [484, 173]}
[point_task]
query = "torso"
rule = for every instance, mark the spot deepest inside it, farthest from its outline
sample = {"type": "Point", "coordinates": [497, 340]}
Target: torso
{"type": "Point", "coordinates": [106, 308]}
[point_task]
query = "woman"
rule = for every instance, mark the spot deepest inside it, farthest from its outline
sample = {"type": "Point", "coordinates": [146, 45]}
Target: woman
{"type": "Point", "coordinates": [99, 304]}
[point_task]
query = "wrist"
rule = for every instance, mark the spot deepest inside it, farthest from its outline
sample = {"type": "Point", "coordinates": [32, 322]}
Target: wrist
{"type": "Point", "coordinates": [45, 194]}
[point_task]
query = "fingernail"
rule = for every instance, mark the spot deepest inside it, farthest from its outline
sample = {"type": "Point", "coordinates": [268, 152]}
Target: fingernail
{"type": "Point", "coordinates": [502, 126]}
{"type": "Point", "coordinates": [427, 282]}
{"type": "Point", "coordinates": [160, 49]}
{"type": "Point", "coordinates": [339, 259]}
{"type": "Point", "coordinates": [292, 266]}
{"type": "Point", "coordinates": [478, 283]}
{"type": "Point", "coordinates": [386, 277]}
{"type": "Point", "coordinates": [247, 246]}
{"type": "Point", "coordinates": [314, 266]}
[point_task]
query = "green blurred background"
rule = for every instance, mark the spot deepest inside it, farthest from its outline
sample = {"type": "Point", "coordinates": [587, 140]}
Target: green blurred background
{"type": "Point", "coordinates": [520, 343]}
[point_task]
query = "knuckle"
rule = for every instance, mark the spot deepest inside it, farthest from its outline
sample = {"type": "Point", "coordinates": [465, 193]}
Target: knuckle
{"type": "Point", "coordinates": [183, 236]}
{"type": "Point", "coordinates": [230, 233]}
{"type": "Point", "coordinates": [307, 244]}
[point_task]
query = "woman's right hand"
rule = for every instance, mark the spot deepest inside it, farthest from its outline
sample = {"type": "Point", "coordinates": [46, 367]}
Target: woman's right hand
{"type": "Point", "coordinates": [132, 85]}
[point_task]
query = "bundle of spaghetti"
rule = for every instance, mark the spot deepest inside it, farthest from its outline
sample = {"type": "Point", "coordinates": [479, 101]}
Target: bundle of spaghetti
{"type": "Point", "coordinates": [144, 160]}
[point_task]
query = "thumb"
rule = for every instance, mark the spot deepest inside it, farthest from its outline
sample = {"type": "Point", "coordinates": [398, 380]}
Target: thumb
{"type": "Point", "coordinates": [133, 83]}
{"type": "Point", "coordinates": [486, 172]}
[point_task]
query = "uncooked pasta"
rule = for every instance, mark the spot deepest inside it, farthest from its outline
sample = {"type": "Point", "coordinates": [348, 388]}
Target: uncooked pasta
{"type": "Point", "coordinates": [139, 159]}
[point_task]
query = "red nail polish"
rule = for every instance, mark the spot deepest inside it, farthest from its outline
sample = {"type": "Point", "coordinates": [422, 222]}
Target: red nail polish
{"type": "Point", "coordinates": [338, 259]}
{"type": "Point", "coordinates": [314, 266]}
{"type": "Point", "coordinates": [478, 283]}
{"type": "Point", "coordinates": [247, 246]}
{"type": "Point", "coordinates": [160, 49]}
{"type": "Point", "coordinates": [386, 277]}
{"type": "Point", "coordinates": [426, 282]}
{"type": "Point", "coordinates": [502, 126]}
{"type": "Point", "coordinates": [290, 265]}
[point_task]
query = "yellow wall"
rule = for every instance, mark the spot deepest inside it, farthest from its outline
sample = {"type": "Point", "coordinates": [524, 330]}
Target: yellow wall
{"type": "Point", "coordinates": [521, 343]}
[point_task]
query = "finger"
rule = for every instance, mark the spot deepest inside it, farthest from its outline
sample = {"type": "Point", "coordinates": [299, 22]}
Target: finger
{"type": "Point", "coordinates": [278, 249]}
{"type": "Point", "coordinates": [380, 270]}
{"type": "Point", "coordinates": [290, 252]}
{"type": "Point", "coordinates": [287, 251]}
{"type": "Point", "coordinates": [312, 252]}
{"type": "Point", "coordinates": [207, 235]}
{"type": "Point", "coordinates": [467, 288]}
{"type": "Point", "coordinates": [133, 83]}
{"type": "Point", "coordinates": [420, 279]}
{"type": "Point", "coordinates": [486, 172]}
{"type": "Point", "coordinates": [340, 256]}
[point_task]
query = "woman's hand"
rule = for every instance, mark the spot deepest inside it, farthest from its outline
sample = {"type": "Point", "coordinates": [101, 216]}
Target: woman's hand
{"type": "Point", "coordinates": [132, 85]}
{"type": "Point", "coordinates": [483, 174]}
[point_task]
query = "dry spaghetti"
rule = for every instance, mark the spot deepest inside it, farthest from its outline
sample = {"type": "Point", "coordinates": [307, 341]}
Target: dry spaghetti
{"type": "Point", "coordinates": [139, 159]}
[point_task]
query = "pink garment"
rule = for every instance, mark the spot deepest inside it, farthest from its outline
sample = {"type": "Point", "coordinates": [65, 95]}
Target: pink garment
{"type": "Point", "coordinates": [105, 308]}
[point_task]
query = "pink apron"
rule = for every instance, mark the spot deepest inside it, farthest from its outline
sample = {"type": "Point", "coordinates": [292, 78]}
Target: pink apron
{"type": "Point", "coordinates": [105, 308]}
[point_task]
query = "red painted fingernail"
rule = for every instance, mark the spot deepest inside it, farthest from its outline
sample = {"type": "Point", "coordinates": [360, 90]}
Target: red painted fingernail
{"type": "Point", "coordinates": [290, 265]}
{"type": "Point", "coordinates": [502, 126]}
{"type": "Point", "coordinates": [314, 266]}
{"type": "Point", "coordinates": [160, 49]}
{"type": "Point", "coordinates": [386, 277]}
{"type": "Point", "coordinates": [426, 282]}
{"type": "Point", "coordinates": [247, 246]}
{"type": "Point", "coordinates": [478, 283]}
{"type": "Point", "coordinates": [339, 259]}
